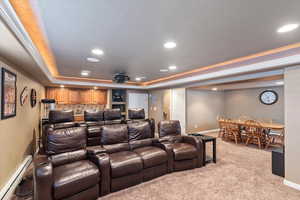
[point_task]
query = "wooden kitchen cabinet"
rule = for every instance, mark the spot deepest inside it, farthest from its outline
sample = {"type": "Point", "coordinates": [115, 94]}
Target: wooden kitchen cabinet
{"type": "Point", "coordinates": [62, 95]}
{"type": "Point", "coordinates": [77, 96]}
{"type": "Point", "coordinates": [99, 97]}
{"type": "Point", "coordinates": [86, 97]}
{"type": "Point", "coordinates": [74, 96]}
{"type": "Point", "coordinates": [51, 93]}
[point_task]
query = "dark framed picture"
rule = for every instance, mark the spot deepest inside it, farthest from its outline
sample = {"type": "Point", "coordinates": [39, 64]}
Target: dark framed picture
{"type": "Point", "coordinates": [8, 94]}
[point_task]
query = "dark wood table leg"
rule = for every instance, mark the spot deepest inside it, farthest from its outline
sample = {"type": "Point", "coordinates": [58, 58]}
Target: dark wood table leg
{"type": "Point", "coordinates": [214, 150]}
{"type": "Point", "coordinates": [204, 153]}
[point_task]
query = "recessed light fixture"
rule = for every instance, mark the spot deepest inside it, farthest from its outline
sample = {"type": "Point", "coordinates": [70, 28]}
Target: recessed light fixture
{"type": "Point", "coordinates": [140, 78]}
{"type": "Point", "coordinates": [95, 88]}
{"type": "Point", "coordinates": [92, 59]}
{"type": "Point", "coordinates": [97, 52]}
{"type": "Point", "coordinates": [170, 45]}
{"type": "Point", "coordinates": [62, 86]}
{"type": "Point", "coordinates": [287, 28]}
{"type": "Point", "coordinates": [163, 70]}
{"type": "Point", "coordinates": [214, 89]}
{"type": "Point", "coordinates": [85, 73]}
{"type": "Point", "coordinates": [172, 67]}
{"type": "Point", "coordinates": [279, 83]}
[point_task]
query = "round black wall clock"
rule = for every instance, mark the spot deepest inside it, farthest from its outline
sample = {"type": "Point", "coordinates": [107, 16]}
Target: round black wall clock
{"type": "Point", "coordinates": [33, 97]}
{"type": "Point", "coordinates": [268, 97]}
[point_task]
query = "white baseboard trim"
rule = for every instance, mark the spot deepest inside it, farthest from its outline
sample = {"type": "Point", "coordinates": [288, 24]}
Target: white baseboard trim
{"type": "Point", "coordinates": [8, 189]}
{"type": "Point", "coordinates": [291, 184]}
{"type": "Point", "coordinates": [209, 131]}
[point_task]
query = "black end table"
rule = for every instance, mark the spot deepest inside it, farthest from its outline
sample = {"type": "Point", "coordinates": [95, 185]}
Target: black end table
{"type": "Point", "coordinates": [205, 139]}
{"type": "Point", "coordinates": [278, 162]}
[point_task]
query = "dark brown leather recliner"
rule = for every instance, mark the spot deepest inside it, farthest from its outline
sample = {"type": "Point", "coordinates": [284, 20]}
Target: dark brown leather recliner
{"type": "Point", "coordinates": [58, 119]}
{"type": "Point", "coordinates": [94, 120]}
{"type": "Point", "coordinates": [137, 115]}
{"type": "Point", "coordinates": [187, 150]}
{"type": "Point", "coordinates": [94, 117]}
{"type": "Point", "coordinates": [155, 159]}
{"type": "Point", "coordinates": [112, 116]}
{"type": "Point", "coordinates": [64, 171]}
{"type": "Point", "coordinates": [125, 166]}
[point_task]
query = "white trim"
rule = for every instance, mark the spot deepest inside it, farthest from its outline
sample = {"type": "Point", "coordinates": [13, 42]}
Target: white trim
{"type": "Point", "coordinates": [209, 131]}
{"type": "Point", "coordinates": [8, 189]}
{"type": "Point", "coordinates": [9, 16]}
{"type": "Point", "coordinates": [238, 78]}
{"type": "Point", "coordinates": [291, 184]}
{"type": "Point", "coordinates": [252, 68]}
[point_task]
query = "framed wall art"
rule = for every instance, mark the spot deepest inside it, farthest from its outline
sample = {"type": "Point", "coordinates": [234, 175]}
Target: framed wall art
{"type": "Point", "coordinates": [24, 95]}
{"type": "Point", "coordinates": [8, 94]}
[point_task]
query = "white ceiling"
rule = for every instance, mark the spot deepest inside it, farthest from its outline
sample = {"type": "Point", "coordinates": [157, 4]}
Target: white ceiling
{"type": "Point", "coordinates": [15, 53]}
{"type": "Point", "coordinates": [132, 33]}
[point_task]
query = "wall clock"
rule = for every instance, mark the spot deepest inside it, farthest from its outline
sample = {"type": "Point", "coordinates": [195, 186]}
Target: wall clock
{"type": "Point", "coordinates": [33, 97]}
{"type": "Point", "coordinates": [268, 97]}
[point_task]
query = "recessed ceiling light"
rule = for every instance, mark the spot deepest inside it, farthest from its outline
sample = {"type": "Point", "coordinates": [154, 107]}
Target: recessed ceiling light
{"type": "Point", "coordinates": [85, 73]}
{"type": "Point", "coordinates": [140, 78]}
{"type": "Point", "coordinates": [92, 59]}
{"type": "Point", "coordinates": [172, 67]}
{"type": "Point", "coordinates": [164, 70]}
{"type": "Point", "coordinates": [95, 88]}
{"type": "Point", "coordinates": [279, 83]}
{"type": "Point", "coordinates": [170, 45]}
{"type": "Point", "coordinates": [62, 86]}
{"type": "Point", "coordinates": [97, 52]}
{"type": "Point", "coordinates": [287, 28]}
{"type": "Point", "coordinates": [214, 89]}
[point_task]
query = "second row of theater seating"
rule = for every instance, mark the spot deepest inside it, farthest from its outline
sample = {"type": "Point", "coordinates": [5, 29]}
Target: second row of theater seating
{"type": "Point", "coordinates": [125, 155]}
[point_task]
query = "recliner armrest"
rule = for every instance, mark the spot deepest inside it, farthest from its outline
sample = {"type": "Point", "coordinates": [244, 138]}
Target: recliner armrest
{"type": "Point", "coordinates": [102, 161]}
{"type": "Point", "coordinates": [140, 143]}
{"type": "Point", "coordinates": [94, 150]}
{"type": "Point", "coordinates": [191, 140]}
{"type": "Point", "coordinates": [152, 125]}
{"type": "Point", "coordinates": [169, 149]}
{"type": "Point", "coordinates": [82, 124]}
{"type": "Point", "coordinates": [196, 143]}
{"type": "Point", "coordinates": [43, 178]}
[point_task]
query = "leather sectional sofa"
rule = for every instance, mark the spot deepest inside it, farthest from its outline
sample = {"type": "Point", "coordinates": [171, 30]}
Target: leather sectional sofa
{"type": "Point", "coordinates": [124, 155]}
{"type": "Point", "coordinates": [64, 171]}
{"type": "Point", "coordinates": [185, 149]}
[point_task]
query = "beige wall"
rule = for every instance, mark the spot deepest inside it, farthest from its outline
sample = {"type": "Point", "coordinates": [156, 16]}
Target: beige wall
{"type": "Point", "coordinates": [292, 123]}
{"type": "Point", "coordinates": [203, 108]}
{"type": "Point", "coordinates": [17, 133]}
{"type": "Point", "coordinates": [159, 102]}
{"type": "Point", "coordinates": [178, 107]}
{"type": "Point", "coordinates": [246, 102]}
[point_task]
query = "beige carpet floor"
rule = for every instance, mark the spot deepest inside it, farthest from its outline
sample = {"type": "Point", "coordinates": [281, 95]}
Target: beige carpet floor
{"type": "Point", "coordinates": [241, 173]}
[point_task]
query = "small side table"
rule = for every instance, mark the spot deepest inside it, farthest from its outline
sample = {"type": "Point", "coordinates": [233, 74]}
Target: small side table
{"type": "Point", "coordinates": [206, 139]}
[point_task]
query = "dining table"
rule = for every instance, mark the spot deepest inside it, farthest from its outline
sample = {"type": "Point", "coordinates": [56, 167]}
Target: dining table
{"type": "Point", "coordinates": [276, 129]}
{"type": "Point", "coordinates": [266, 125]}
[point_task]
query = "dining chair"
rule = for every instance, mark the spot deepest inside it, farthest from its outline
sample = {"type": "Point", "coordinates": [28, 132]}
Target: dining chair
{"type": "Point", "coordinates": [222, 127]}
{"type": "Point", "coordinates": [254, 133]}
{"type": "Point", "coordinates": [232, 132]}
{"type": "Point", "coordinates": [274, 138]}
{"type": "Point", "coordinates": [243, 133]}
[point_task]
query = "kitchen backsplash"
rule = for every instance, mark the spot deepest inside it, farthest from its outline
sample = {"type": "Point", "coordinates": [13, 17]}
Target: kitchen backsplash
{"type": "Point", "coordinates": [79, 108]}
